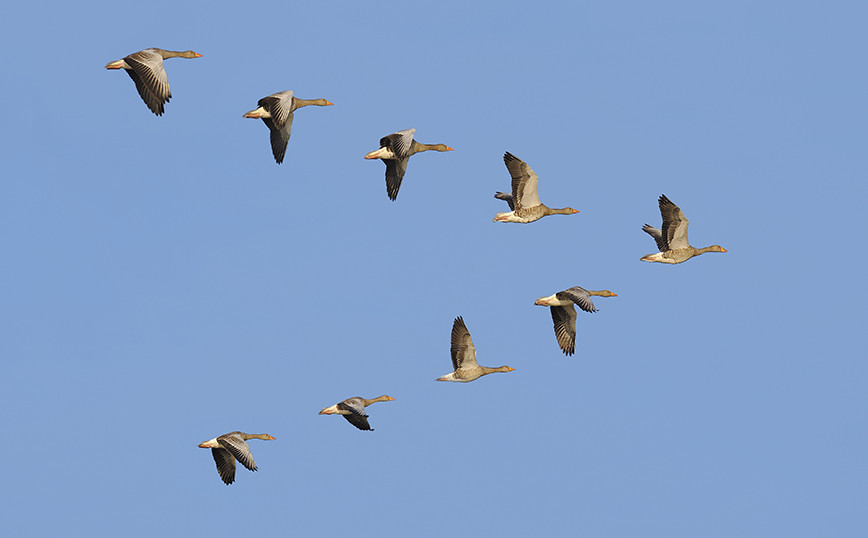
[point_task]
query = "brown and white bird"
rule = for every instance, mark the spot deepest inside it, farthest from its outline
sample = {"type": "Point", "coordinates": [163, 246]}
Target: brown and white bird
{"type": "Point", "coordinates": [463, 352]}
{"type": "Point", "coordinates": [230, 447]}
{"type": "Point", "coordinates": [396, 150]}
{"type": "Point", "coordinates": [524, 200]}
{"type": "Point", "coordinates": [276, 111]}
{"type": "Point", "coordinates": [353, 409]}
{"type": "Point", "coordinates": [146, 69]}
{"type": "Point", "coordinates": [672, 239]}
{"type": "Point", "coordinates": [564, 313]}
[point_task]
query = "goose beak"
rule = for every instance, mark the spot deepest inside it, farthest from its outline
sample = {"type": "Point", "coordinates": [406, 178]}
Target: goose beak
{"type": "Point", "coordinates": [575, 211]}
{"type": "Point", "coordinates": [329, 103]}
{"type": "Point", "coordinates": [374, 154]}
{"type": "Point", "coordinates": [722, 249]}
{"type": "Point", "coordinates": [614, 295]}
{"type": "Point", "coordinates": [449, 149]}
{"type": "Point", "coordinates": [198, 55]}
{"type": "Point", "coordinates": [202, 445]}
{"type": "Point", "coordinates": [251, 114]}
{"type": "Point", "coordinates": [272, 438]}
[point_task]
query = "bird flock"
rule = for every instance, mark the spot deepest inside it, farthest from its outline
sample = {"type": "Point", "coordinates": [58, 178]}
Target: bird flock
{"type": "Point", "coordinates": [276, 111]}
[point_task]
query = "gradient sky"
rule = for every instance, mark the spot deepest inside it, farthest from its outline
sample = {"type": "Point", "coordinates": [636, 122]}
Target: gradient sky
{"type": "Point", "coordinates": [165, 282]}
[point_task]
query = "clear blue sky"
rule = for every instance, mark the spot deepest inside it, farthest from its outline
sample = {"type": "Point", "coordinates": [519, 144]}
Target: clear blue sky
{"type": "Point", "coordinates": [164, 281]}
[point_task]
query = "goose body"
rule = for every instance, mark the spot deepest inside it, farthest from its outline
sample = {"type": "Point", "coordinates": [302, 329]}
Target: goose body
{"type": "Point", "coordinates": [276, 111]}
{"type": "Point", "coordinates": [672, 238]}
{"type": "Point", "coordinates": [146, 69]}
{"type": "Point", "coordinates": [524, 200]}
{"type": "Point", "coordinates": [465, 367]}
{"type": "Point", "coordinates": [564, 313]}
{"type": "Point", "coordinates": [395, 151]}
{"type": "Point", "coordinates": [353, 409]}
{"type": "Point", "coordinates": [230, 447]}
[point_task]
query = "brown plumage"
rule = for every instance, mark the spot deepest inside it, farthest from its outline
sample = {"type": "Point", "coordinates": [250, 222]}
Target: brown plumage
{"type": "Point", "coordinates": [564, 313]}
{"type": "Point", "coordinates": [276, 111]}
{"type": "Point", "coordinates": [395, 151]}
{"type": "Point", "coordinates": [146, 69]}
{"type": "Point", "coordinates": [230, 447]}
{"type": "Point", "coordinates": [672, 239]}
{"type": "Point", "coordinates": [524, 200]}
{"type": "Point", "coordinates": [463, 353]}
{"type": "Point", "coordinates": [353, 409]}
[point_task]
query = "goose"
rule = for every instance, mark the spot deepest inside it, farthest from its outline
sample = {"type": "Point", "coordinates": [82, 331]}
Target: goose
{"type": "Point", "coordinates": [396, 150]}
{"type": "Point", "coordinates": [672, 239]}
{"type": "Point", "coordinates": [353, 409]}
{"type": "Point", "coordinates": [464, 357]}
{"type": "Point", "coordinates": [524, 201]}
{"type": "Point", "coordinates": [229, 447]}
{"type": "Point", "coordinates": [564, 313]}
{"type": "Point", "coordinates": [146, 69]}
{"type": "Point", "coordinates": [276, 111]}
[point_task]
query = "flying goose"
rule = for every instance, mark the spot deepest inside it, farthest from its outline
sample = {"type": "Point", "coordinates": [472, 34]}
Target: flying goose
{"type": "Point", "coordinates": [564, 313]}
{"type": "Point", "coordinates": [396, 150]}
{"type": "Point", "coordinates": [229, 447]}
{"type": "Point", "coordinates": [146, 69]}
{"type": "Point", "coordinates": [353, 409]}
{"type": "Point", "coordinates": [464, 357]}
{"type": "Point", "coordinates": [276, 111]}
{"type": "Point", "coordinates": [525, 199]}
{"type": "Point", "coordinates": [672, 239]}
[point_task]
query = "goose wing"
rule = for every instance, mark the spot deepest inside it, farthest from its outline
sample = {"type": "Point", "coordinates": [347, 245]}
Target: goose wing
{"type": "Point", "coordinates": [146, 70]}
{"type": "Point", "coordinates": [578, 295]}
{"type": "Point", "coordinates": [225, 464]}
{"type": "Point", "coordinates": [279, 106]}
{"type": "Point", "coordinates": [658, 237]}
{"type": "Point", "coordinates": [524, 182]}
{"type": "Point", "coordinates": [399, 142]}
{"type": "Point", "coordinates": [279, 136]}
{"type": "Point", "coordinates": [239, 448]}
{"type": "Point", "coordinates": [564, 319]}
{"type": "Point", "coordinates": [674, 224]}
{"type": "Point", "coordinates": [356, 409]}
{"type": "Point", "coordinates": [506, 197]}
{"type": "Point", "coordinates": [463, 351]}
{"type": "Point", "coordinates": [395, 170]}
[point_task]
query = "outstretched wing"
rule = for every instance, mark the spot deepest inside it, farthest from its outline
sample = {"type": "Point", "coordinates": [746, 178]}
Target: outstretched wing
{"type": "Point", "coordinates": [506, 197]}
{"type": "Point", "coordinates": [463, 351]}
{"type": "Point", "coordinates": [239, 448]}
{"type": "Point", "coordinates": [395, 170]}
{"type": "Point", "coordinates": [674, 224]}
{"type": "Point", "coordinates": [564, 318]}
{"type": "Point", "coordinates": [146, 70]}
{"type": "Point", "coordinates": [578, 295]}
{"type": "Point", "coordinates": [279, 136]}
{"type": "Point", "coordinates": [225, 464]}
{"type": "Point", "coordinates": [524, 182]}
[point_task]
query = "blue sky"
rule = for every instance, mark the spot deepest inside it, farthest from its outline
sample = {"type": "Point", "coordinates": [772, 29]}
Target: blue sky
{"type": "Point", "coordinates": [164, 281]}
